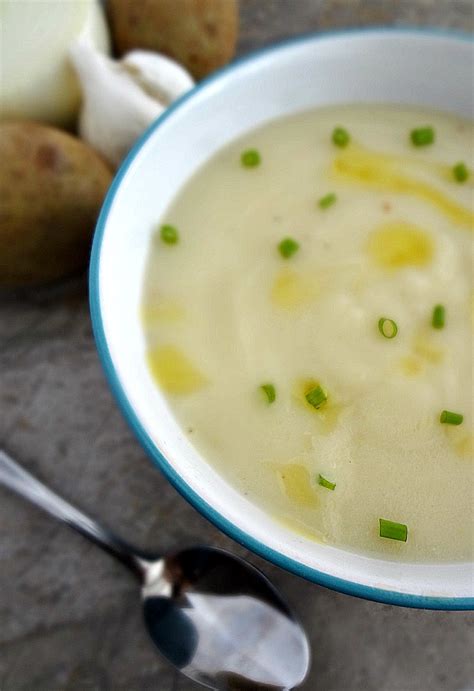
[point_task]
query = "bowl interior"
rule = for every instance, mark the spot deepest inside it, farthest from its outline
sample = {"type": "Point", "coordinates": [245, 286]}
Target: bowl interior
{"type": "Point", "coordinates": [373, 66]}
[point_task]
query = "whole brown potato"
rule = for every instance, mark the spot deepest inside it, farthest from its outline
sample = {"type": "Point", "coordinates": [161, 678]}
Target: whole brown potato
{"type": "Point", "coordinates": [200, 34]}
{"type": "Point", "coordinates": [51, 189]}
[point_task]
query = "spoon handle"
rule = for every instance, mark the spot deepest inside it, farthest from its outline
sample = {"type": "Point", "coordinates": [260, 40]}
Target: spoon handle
{"type": "Point", "coordinates": [16, 478]}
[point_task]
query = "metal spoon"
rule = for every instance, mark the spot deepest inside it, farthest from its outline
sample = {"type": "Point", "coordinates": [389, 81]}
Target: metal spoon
{"type": "Point", "coordinates": [211, 614]}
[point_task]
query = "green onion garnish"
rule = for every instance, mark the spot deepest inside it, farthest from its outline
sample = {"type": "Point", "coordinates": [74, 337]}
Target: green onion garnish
{"type": "Point", "coordinates": [288, 247]}
{"type": "Point", "coordinates": [340, 137]}
{"type": "Point", "coordinates": [460, 172]}
{"type": "Point", "coordinates": [269, 391]}
{"type": "Point", "coordinates": [387, 327]}
{"type": "Point", "coordinates": [439, 314]}
{"type": "Point", "coordinates": [394, 531]}
{"type": "Point", "coordinates": [325, 483]}
{"type": "Point", "coordinates": [422, 136]}
{"type": "Point", "coordinates": [250, 158]}
{"type": "Point", "coordinates": [327, 201]}
{"type": "Point", "coordinates": [317, 396]}
{"type": "Point", "coordinates": [450, 418]}
{"type": "Point", "coordinates": [169, 234]}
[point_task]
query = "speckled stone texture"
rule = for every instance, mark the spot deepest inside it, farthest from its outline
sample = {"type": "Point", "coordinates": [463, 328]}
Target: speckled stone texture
{"type": "Point", "coordinates": [69, 616]}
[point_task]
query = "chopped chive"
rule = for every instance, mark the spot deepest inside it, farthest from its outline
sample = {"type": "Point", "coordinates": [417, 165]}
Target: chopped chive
{"type": "Point", "coordinates": [394, 531]}
{"type": "Point", "coordinates": [460, 172]}
{"type": "Point", "coordinates": [288, 247]}
{"type": "Point", "coordinates": [325, 483]}
{"type": "Point", "coordinates": [449, 418]}
{"type": "Point", "coordinates": [169, 234]}
{"type": "Point", "coordinates": [250, 158]}
{"type": "Point", "coordinates": [340, 137]}
{"type": "Point", "coordinates": [317, 396]}
{"type": "Point", "coordinates": [387, 327]}
{"type": "Point", "coordinates": [327, 201]}
{"type": "Point", "coordinates": [438, 319]}
{"type": "Point", "coordinates": [269, 391]}
{"type": "Point", "coordinates": [422, 136]}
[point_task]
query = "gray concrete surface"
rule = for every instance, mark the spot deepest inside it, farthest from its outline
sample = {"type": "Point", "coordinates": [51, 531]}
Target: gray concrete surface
{"type": "Point", "coordinates": [68, 614]}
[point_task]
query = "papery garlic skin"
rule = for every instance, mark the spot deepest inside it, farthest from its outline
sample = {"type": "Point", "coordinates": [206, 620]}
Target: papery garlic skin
{"type": "Point", "coordinates": [122, 98]}
{"type": "Point", "coordinates": [37, 81]}
{"type": "Point", "coordinates": [163, 78]}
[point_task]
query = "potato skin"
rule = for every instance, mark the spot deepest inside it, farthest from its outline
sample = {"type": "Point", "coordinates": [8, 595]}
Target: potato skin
{"type": "Point", "coordinates": [51, 189]}
{"type": "Point", "coordinates": [200, 34]}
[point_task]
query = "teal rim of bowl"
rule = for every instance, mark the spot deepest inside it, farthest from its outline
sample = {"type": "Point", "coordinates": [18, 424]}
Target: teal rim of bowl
{"type": "Point", "coordinates": [319, 577]}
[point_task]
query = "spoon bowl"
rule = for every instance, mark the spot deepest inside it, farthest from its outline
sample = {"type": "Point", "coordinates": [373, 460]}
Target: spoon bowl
{"type": "Point", "coordinates": [222, 623]}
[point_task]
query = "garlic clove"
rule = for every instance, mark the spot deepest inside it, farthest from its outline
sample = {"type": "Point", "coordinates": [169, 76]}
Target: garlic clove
{"type": "Point", "coordinates": [115, 109]}
{"type": "Point", "coordinates": [161, 77]}
{"type": "Point", "coordinates": [122, 98]}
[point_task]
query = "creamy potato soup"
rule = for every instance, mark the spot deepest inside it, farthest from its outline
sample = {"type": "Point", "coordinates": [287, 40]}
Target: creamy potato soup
{"type": "Point", "coordinates": [308, 313]}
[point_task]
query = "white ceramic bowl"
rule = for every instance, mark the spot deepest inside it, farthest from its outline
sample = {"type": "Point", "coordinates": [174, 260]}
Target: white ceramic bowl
{"type": "Point", "coordinates": [427, 68]}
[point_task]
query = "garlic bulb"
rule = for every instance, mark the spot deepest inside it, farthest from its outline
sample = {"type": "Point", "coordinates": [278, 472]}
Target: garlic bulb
{"type": "Point", "coordinates": [121, 98]}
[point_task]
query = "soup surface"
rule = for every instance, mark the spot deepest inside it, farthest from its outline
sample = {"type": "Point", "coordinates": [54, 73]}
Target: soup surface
{"type": "Point", "coordinates": [308, 309]}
